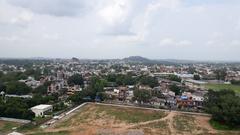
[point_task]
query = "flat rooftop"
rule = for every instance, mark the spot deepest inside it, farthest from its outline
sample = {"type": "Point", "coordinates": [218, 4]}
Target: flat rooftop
{"type": "Point", "coordinates": [42, 106]}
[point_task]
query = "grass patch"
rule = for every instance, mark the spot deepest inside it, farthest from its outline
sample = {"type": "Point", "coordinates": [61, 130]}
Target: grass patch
{"type": "Point", "coordinates": [235, 88]}
{"type": "Point", "coordinates": [33, 126]}
{"type": "Point", "coordinates": [52, 133]}
{"type": "Point", "coordinates": [6, 126]}
{"type": "Point", "coordinates": [184, 123]}
{"type": "Point", "coordinates": [219, 126]}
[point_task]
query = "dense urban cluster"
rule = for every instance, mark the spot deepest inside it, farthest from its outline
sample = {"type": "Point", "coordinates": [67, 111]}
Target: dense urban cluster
{"type": "Point", "coordinates": [56, 85]}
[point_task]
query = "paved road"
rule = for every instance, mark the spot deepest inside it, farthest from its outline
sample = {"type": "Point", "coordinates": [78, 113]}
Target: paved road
{"type": "Point", "coordinates": [61, 116]}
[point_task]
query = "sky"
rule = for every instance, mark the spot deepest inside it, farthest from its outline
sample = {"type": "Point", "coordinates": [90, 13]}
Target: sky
{"type": "Point", "coordinates": [100, 29]}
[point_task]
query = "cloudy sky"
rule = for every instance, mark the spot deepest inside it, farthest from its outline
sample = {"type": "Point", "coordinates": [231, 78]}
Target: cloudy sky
{"type": "Point", "coordinates": [159, 29]}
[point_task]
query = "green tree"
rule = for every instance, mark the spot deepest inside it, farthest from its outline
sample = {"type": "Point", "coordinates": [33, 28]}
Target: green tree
{"type": "Point", "coordinates": [175, 78]}
{"type": "Point", "coordinates": [40, 90]}
{"type": "Point", "coordinates": [191, 70]}
{"type": "Point", "coordinates": [2, 86]}
{"type": "Point", "coordinates": [36, 73]}
{"type": "Point", "coordinates": [1, 74]}
{"type": "Point", "coordinates": [224, 106]}
{"type": "Point", "coordinates": [76, 79]}
{"type": "Point", "coordinates": [148, 80]}
{"type": "Point", "coordinates": [196, 77]}
{"type": "Point", "coordinates": [175, 89]}
{"type": "Point", "coordinates": [142, 95]}
{"type": "Point", "coordinates": [17, 88]}
{"type": "Point", "coordinates": [235, 82]}
{"type": "Point", "coordinates": [220, 74]}
{"type": "Point", "coordinates": [96, 86]}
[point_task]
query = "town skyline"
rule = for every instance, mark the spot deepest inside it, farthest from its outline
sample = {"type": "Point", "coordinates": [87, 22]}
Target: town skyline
{"type": "Point", "coordinates": [156, 29]}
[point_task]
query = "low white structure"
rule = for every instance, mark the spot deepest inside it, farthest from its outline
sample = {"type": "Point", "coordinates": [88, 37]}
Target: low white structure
{"type": "Point", "coordinates": [40, 110]}
{"type": "Point", "coordinates": [15, 133]}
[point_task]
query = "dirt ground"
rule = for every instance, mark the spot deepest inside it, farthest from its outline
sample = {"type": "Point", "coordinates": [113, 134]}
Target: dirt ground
{"type": "Point", "coordinates": [93, 120]}
{"type": "Point", "coordinates": [6, 127]}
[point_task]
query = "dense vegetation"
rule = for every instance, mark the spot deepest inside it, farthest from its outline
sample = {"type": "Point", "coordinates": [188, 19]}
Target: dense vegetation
{"type": "Point", "coordinates": [76, 79]}
{"type": "Point", "coordinates": [196, 77]}
{"type": "Point", "coordinates": [95, 89]}
{"type": "Point", "coordinates": [220, 74]}
{"type": "Point", "coordinates": [235, 82]}
{"type": "Point", "coordinates": [148, 80]}
{"type": "Point", "coordinates": [176, 89]}
{"type": "Point", "coordinates": [224, 106]}
{"type": "Point", "coordinates": [174, 78]}
{"type": "Point", "coordinates": [121, 79]}
{"type": "Point", "coordinates": [142, 95]}
{"type": "Point", "coordinates": [19, 108]}
{"type": "Point", "coordinates": [17, 88]}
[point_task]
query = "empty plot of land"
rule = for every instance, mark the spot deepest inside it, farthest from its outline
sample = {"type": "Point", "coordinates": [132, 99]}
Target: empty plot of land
{"type": "Point", "coordinates": [95, 119]}
{"type": "Point", "coordinates": [6, 127]}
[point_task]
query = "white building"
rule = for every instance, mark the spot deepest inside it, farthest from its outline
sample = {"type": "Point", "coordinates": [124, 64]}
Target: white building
{"type": "Point", "coordinates": [41, 110]}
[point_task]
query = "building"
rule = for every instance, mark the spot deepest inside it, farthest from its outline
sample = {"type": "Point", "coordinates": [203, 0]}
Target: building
{"type": "Point", "coordinates": [41, 110]}
{"type": "Point", "coordinates": [195, 84]}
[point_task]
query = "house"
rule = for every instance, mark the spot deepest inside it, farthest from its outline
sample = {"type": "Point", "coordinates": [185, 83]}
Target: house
{"type": "Point", "coordinates": [56, 87]}
{"type": "Point", "coordinates": [158, 101]}
{"type": "Point", "coordinates": [31, 82]}
{"type": "Point", "coordinates": [73, 89]}
{"type": "Point", "coordinates": [41, 110]}
{"type": "Point", "coordinates": [184, 101]}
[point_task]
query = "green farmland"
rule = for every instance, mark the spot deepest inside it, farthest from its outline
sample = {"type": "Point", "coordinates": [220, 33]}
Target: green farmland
{"type": "Point", "coordinates": [236, 88]}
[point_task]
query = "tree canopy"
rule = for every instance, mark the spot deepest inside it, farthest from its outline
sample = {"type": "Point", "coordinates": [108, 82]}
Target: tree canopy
{"type": "Point", "coordinates": [17, 88]}
{"type": "Point", "coordinates": [196, 77]}
{"type": "Point", "coordinates": [142, 95]}
{"type": "Point", "coordinates": [220, 74]}
{"type": "Point", "coordinates": [224, 106]}
{"type": "Point", "coordinates": [175, 89]}
{"type": "Point", "coordinates": [121, 79]}
{"type": "Point", "coordinates": [174, 78]}
{"type": "Point", "coordinates": [148, 80]}
{"type": "Point", "coordinates": [76, 79]}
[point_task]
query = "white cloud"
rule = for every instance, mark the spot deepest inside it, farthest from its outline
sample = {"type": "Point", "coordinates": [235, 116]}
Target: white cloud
{"type": "Point", "coordinates": [118, 28]}
{"type": "Point", "coordinates": [10, 38]}
{"type": "Point", "coordinates": [23, 17]}
{"type": "Point", "coordinates": [172, 42]}
{"type": "Point", "coordinates": [115, 12]}
{"type": "Point", "coordinates": [184, 43]}
{"type": "Point", "coordinates": [235, 42]}
{"type": "Point", "coordinates": [55, 36]}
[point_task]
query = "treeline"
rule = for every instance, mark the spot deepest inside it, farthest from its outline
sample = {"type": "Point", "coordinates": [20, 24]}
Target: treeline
{"type": "Point", "coordinates": [95, 89]}
{"type": "Point", "coordinates": [128, 79]}
{"type": "Point", "coordinates": [22, 62]}
{"type": "Point", "coordinates": [20, 108]}
{"type": "Point", "coordinates": [235, 82]}
{"type": "Point", "coordinates": [224, 106]}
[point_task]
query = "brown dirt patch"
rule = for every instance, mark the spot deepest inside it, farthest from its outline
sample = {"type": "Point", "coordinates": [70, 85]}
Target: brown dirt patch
{"type": "Point", "coordinates": [96, 120]}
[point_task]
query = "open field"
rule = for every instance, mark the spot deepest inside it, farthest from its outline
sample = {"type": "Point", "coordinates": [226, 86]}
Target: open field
{"type": "Point", "coordinates": [6, 127]}
{"type": "Point", "coordinates": [94, 119]}
{"type": "Point", "coordinates": [236, 88]}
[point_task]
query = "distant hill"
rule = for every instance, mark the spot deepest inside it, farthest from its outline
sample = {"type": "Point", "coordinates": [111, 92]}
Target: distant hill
{"type": "Point", "coordinates": [137, 59]}
{"type": "Point", "coordinates": [140, 59]}
{"type": "Point", "coordinates": [74, 59]}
